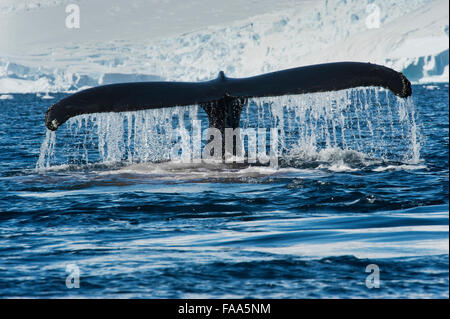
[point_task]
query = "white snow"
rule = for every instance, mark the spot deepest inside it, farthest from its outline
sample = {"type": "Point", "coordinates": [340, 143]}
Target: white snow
{"type": "Point", "coordinates": [6, 97]}
{"type": "Point", "coordinates": [145, 40]}
{"type": "Point", "coordinates": [12, 85]}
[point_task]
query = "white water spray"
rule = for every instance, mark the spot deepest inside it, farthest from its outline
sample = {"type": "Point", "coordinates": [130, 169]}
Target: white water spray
{"type": "Point", "coordinates": [311, 127]}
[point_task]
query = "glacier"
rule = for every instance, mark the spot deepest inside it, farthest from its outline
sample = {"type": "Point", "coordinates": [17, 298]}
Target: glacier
{"type": "Point", "coordinates": [120, 41]}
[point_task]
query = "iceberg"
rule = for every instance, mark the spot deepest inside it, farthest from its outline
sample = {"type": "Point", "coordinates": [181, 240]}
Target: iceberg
{"type": "Point", "coordinates": [175, 40]}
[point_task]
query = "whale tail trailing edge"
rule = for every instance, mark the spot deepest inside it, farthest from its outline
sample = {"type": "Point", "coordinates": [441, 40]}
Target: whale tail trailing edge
{"type": "Point", "coordinates": [223, 98]}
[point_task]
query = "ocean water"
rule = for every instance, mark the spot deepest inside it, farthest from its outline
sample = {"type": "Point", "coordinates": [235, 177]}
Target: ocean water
{"type": "Point", "coordinates": [356, 207]}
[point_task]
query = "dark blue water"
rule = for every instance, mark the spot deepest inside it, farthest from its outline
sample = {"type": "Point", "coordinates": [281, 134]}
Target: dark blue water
{"type": "Point", "coordinates": [307, 229]}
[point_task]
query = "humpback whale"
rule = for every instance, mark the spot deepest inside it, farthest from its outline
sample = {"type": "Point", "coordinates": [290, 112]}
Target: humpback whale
{"type": "Point", "coordinates": [224, 98]}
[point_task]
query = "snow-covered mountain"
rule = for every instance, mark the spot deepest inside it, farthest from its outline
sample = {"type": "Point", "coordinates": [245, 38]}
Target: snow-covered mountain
{"type": "Point", "coordinates": [192, 40]}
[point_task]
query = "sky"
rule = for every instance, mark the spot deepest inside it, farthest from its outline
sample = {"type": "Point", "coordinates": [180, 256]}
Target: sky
{"type": "Point", "coordinates": [193, 40]}
{"type": "Point", "coordinates": [25, 24]}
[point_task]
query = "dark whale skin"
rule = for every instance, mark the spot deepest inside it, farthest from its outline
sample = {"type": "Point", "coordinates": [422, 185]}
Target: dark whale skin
{"type": "Point", "coordinates": [136, 96]}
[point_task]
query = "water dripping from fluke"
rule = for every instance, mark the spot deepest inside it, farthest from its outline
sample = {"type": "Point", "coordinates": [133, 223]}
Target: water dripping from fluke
{"type": "Point", "coordinates": [353, 127]}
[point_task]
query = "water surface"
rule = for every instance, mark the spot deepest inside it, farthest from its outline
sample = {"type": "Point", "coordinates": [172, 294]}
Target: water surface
{"type": "Point", "coordinates": [369, 188]}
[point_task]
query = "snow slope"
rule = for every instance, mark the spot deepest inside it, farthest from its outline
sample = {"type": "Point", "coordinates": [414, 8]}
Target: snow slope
{"type": "Point", "coordinates": [192, 40]}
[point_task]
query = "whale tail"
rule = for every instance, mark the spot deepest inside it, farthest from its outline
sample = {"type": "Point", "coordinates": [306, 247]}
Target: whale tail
{"type": "Point", "coordinates": [224, 98]}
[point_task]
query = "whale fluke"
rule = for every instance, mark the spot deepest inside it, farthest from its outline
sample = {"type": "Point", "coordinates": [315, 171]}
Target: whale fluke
{"type": "Point", "coordinates": [223, 98]}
